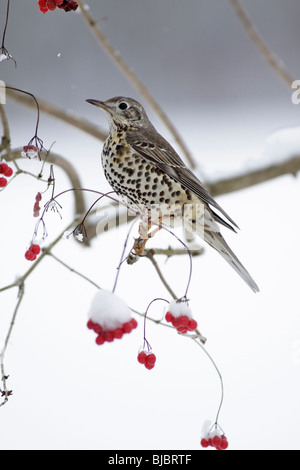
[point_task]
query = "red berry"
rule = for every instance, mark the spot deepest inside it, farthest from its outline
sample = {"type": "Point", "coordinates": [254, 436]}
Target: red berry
{"type": "Point", "coordinates": [169, 317]}
{"type": "Point", "coordinates": [97, 328]}
{"type": "Point", "coordinates": [42, 5]}
{"type": "Point", "coordinates": [3, 182]}
{"type": "Point", "coordinates": [118, 333]}
{"type": "Point", "coordinates": [90, 325]}
{"type": "Point", "coordinates": [108, 336]}
{"type": "Point", "coordinates": [176, 322]}
{"type": "Point", "coordinates": [142, 356]}
{"type": "Point", "coordinates": [127, 327]}
{"type": "Point", "coordinates": [182, 329]}
{"type": "Point", "coordinates": [100, 340]}
{"type": "Point", "coordinates": [133, 323]}
{"type": "Point", "coordinates": [149, 366]}
{"type": "Point", "coordinates": [8, 172]}
{"type": "Point", "coordinates": [204, 443]}
{"type": "Point", "coordinates": [184, 321]}
{"type": "Point", "coordinates": [224, 443]}
{"type": "Point", "coordinates": [192, 325]}
{"type": "Point", "coordinates": [51, 5]}
{"type": "Point", "coordinates": [3, 167]}
{"type": "Point", "coordinates": [151, 359]}
{"type": "Point", "coordinates": [216, 441]}
{"type": "Point", "coordinates": [30, 256]}
{"type": "Point", "coordinates": [35, 249]}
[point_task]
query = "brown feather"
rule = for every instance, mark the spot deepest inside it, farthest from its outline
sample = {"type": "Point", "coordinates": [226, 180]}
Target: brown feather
{"type": "Point", "coordinates": [150, 145]}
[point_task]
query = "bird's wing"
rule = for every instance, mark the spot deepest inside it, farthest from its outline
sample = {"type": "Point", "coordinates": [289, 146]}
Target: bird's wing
{"type": "Point", "coordinates": [155, 149]}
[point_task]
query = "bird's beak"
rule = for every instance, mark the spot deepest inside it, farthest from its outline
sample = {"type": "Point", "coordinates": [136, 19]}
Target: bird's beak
{"type": "Point", "coordinates": [102, 105]}
{"type": "Point", "coordinates": [98, 103]}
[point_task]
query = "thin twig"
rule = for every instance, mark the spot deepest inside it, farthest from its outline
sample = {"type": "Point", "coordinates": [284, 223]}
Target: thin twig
{"type": "Point", "coordinates": [3, 49]}
{"type": "Point", "coordinates": [169, 252]}
{"type": "Point", "coordinates": [5, 392]}
{"type": "Point", "coordinates": [67, 266]}
{"type": "Point", "coordinates": [6, 23]}
{"type": "Point", "coordinates": [217, 370]}
{"type": "Point", "coordinates": [150, 256]}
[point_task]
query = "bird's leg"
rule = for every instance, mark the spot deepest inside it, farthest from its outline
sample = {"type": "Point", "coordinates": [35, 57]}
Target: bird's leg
{"type": "Point", "coordinates": [150, 235]}
{"type": "Point", "coordinates": [140, 243]}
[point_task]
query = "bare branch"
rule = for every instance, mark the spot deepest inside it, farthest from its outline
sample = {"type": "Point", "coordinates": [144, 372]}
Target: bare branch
{"type": "Point", "coordinates": [269, 56]}
{"type": "Point", "coordinates": [5, 144]}
{"type": "Point", "coordinates": [67, 266]}
{"type": "Point", "coordinates": [6, 141]}
{"type": "Point", "coordinates": [175, 251]}
{"type": "Point", "coordinates": [150, 256]}
{"type": "Point", "coordinates": [67, 167]}
{"type": "Point", "coordinates": [134, 80]}
{"type": "Point", "coordinates": [59, 113]}
{"type": "Point", "coordinates": [251, 178]}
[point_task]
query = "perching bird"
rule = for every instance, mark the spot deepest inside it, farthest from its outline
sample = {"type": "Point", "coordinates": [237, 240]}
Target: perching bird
{"type": "Point", "coordinates": [143, 167]}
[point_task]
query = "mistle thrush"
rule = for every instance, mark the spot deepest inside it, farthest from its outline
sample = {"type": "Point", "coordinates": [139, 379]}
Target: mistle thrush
{"type": "Point", "coordinates": [143, 167]}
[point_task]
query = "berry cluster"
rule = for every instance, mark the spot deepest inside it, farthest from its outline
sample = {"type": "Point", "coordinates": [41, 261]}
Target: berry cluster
{"type": "Point", "coordinates": [219, 442]}
{"type": "Point", "coordinates": [36, 207]}
{"type": "Point", "coordinates": [180, 315]}
{"type": "Point", "coordinates": [105, 334]}
{"type": "Point", "coordinates": [32, 252]}
{"type": "Point", "coordinates": [29, 151]}
{"type": "Point", "coordinates": [67, 5]}
{"type": "Point", "coordinates": [147, 358]}
{"type": "Point", "coordinates": [6, 171]}
{"type": "Point", "coordinates": [183, 323]}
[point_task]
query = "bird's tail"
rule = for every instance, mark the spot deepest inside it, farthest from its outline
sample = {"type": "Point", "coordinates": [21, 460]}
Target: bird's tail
{"type": "Point", "coordinates": [216, 241]}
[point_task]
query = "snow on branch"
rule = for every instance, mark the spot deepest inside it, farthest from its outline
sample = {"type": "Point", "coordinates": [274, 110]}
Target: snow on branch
{"type": "Point", "coordinates": [280, 156]}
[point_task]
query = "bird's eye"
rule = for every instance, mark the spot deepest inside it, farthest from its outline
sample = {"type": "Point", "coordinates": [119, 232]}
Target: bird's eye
{"type": "Point", "coordinates": [123, 105]}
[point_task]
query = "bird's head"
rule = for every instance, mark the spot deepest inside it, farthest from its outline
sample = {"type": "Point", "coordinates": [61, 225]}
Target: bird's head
{"type": "Point", "coordinates": [123, 112]}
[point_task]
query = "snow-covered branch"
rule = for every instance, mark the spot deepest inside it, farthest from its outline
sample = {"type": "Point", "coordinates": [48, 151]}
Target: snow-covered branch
{"type": "Point", "coordinates": [252, 177]}
{"type": "Point", "coordinates": [280, 156]}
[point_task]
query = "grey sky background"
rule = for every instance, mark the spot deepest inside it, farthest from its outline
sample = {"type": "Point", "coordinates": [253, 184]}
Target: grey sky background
{"type": "Point", "coordinates": [189, 54]}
